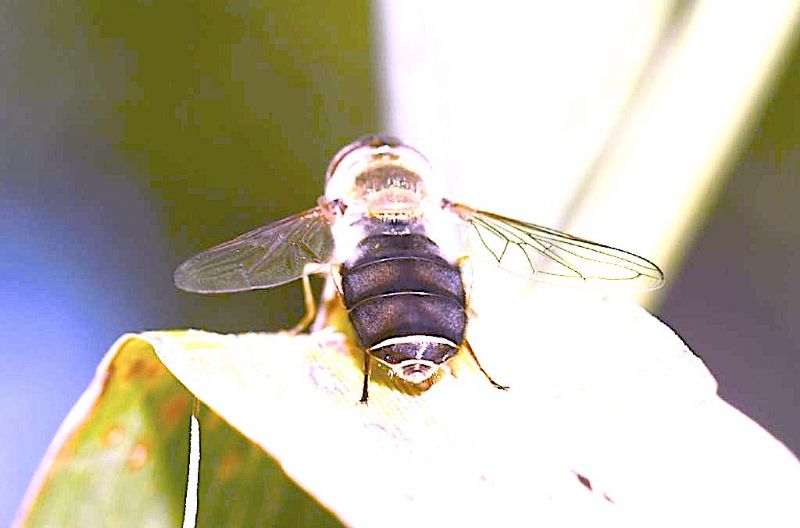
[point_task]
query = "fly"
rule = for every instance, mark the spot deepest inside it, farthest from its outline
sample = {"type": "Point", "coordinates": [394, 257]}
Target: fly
{"type": "Point", "coordinates": [395, 245]}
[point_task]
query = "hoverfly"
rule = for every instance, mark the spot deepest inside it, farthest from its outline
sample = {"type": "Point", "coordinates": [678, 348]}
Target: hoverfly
{"type": "Point", "coordinates": [394, 245]}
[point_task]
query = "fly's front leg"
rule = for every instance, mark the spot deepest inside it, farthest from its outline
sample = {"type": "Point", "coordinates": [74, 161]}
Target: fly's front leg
{"type": "Point", "coordinates": [311, 307]}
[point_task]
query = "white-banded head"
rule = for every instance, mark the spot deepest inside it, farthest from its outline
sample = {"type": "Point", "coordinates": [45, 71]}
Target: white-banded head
{"type": "Point", "coordinates": [382, 175]}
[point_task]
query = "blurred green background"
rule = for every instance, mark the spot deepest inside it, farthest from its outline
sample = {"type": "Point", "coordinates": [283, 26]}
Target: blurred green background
{"type": "Point", "coordinates": [135, 134]}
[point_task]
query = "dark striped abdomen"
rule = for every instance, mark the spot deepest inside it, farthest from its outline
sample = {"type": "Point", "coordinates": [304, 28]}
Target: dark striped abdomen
{"type": "Point", "coordinates": [400, 286]}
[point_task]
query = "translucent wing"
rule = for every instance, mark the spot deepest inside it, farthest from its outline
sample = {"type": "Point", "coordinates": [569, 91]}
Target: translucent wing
{"type": "Point", "coordinates": [271, 255]}
{"type": "Point", "coordinates": [546, 254]}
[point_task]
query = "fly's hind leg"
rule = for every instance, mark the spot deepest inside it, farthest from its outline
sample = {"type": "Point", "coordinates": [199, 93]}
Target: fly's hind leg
{"type": "Point", "coordinates": [311, 308]}
{"type": "Point", "coordinates": [465, 267]}
{"type": "Point", "coordinates": [365, 388]}
{"type": "Point", "coordinates": [488, 377]}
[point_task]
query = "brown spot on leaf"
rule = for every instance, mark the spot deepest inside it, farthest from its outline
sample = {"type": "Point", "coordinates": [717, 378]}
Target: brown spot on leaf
{"type": "Point", "coordinates": [135, 369]}
{"type": "Point", "coordinates": [137, 457]}
{"type": "Point", "coordinates": [114, 436]}
{"type": "Point", "coordinates": [175, 410]}
{"type": "Point", "coordinates": [227, 466]}
{"type": "Point", "coordinates": [142, 369]}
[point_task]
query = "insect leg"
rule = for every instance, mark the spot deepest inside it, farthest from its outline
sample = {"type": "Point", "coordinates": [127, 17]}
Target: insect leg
{"type": "Point", "coordinates": [311, 307]}
{"type": "Point", "coordinates": [488, 377]}
{"type": "Point", "coordinates": [365, 388]}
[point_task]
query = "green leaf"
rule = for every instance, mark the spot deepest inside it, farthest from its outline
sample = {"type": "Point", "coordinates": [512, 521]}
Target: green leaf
{"type": "Point", "coordinates": [240, 485]}
{"type": "Point", "coordinates": [121, 456]}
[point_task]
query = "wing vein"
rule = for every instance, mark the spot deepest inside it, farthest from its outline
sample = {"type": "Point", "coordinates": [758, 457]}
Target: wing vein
{"type": "Point", "coordinates": [545, 253]}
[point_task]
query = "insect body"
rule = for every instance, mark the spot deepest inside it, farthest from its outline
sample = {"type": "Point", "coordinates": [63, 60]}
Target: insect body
{"type": "Point", "coordinates": [406, 301]}
{"type": "Point", "coordinates": [394, 245]}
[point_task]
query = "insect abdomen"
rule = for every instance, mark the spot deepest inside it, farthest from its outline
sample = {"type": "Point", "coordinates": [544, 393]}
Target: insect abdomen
{"type": "Point", "coordinates": [405, 301]}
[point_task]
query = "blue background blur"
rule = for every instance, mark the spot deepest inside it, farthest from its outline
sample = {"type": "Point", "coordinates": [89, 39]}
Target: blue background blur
{"type": "Point", "coordinates": [135, 135]}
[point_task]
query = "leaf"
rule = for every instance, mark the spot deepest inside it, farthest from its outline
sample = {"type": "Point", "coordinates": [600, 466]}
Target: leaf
{"type": "Point", "coordinates": [120, 458]}
{"type": "Point", "coordinates": [610, 420]}
{"type": "Point", "coordinates": [240, 485]}
{"type": "Point", "coordinates": [622, 403]}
